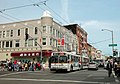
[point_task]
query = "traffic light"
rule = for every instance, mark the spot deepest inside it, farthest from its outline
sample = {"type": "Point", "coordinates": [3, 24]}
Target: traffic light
{"type": "Point", "coordinates": [26, 36]}
{"type": "Point", "coordinates": [115, 53]}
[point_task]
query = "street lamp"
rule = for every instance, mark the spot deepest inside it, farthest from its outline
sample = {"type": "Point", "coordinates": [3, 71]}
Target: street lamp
{"type": "Point", "coordinates": [112, 38]}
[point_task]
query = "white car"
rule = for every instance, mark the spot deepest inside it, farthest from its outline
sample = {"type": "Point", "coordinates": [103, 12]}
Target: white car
{"type": "Point", "coordinates": [92, 65]}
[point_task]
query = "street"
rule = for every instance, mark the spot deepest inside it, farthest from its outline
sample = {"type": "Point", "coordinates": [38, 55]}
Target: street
{"type": "Point", "coordinates": [47, 77]}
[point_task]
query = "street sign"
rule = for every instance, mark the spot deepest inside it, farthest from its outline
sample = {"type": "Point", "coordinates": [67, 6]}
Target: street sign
{"type": "Point", "coordinates": [112, 45]}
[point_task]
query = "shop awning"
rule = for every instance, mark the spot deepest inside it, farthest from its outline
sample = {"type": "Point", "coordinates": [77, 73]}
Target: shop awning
{"type": "Point", "coordinates": [31, 54]}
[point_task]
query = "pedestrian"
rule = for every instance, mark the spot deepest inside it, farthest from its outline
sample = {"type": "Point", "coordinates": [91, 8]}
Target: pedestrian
{"type": "Point", "coordinates": [109, 68]}
{"type": "Point", "coordinates": [115, 68]}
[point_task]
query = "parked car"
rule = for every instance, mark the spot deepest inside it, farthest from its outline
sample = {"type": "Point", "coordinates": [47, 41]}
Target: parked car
{"type": "Point", "coordinates": [92, 65]}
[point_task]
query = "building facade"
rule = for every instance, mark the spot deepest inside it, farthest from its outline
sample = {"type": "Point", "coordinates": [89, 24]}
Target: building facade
{"type": "Point", "coordinates": [45, 36]}
{"type": "Point", "coordinates": [81, 37]}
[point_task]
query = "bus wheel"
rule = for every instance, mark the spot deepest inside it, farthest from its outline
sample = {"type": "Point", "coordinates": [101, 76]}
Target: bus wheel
{"type": "Point", "coordinates": [79, 68]}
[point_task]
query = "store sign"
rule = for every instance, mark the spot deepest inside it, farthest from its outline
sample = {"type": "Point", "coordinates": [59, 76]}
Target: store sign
{"type": "Point", "coordinates": [24, 54]}
{"type": "Point", "coordinates": [31, 54]}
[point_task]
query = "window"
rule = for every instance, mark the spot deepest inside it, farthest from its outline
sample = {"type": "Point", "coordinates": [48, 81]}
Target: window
{"type": "Point", "coordinates": [50, 41]}
{"type": "Point", "coordinates": [3, 34]}
{"type": "Point", "coordinates": [44, 29]}
{"type": "Point", "coordinates": [17, 43]}
{"type": "Point", "coordinates": [36, 30]}
{"type": "Point", "coordinates": [3, 44]}
{"type": "Point", "coordinates": [0, 34]}
{"type": "Point", "coordinates": [54, 42]}
{"type": "Point", "coordinates": [44, 41]}
{"type": "Point", "coordinates": [10, 43]}
{"type": "Point", "coordinates": [11, 33]}
{"type": "Point", "coordinates": [26, 30]}
{"type": "Point", "coordinates": [0, 44]}
{"type": "Point", "coordinates": [18, 32]}
{"type": "Point", "coordinates": [7, 44]}
{"type": "Point", "coordinates": [8, 33]}
{"type": "Point", "coordinates": [56, 33]}
{"type": "Point", "coordinates": [51, 29]}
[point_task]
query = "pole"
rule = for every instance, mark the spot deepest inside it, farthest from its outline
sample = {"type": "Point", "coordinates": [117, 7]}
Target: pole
{"type": "Point", "coordinates": [112, 43]}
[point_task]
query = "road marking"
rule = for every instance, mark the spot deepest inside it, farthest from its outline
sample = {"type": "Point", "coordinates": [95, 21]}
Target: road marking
{"type": "Point", "coordinates": [98, 78]}
{"type": "Point", "coordinates": [89, 75]}
{"type": "Point", "coordinates": [46, 80]}
{"type": "Point", "coordinates": [14, 73]}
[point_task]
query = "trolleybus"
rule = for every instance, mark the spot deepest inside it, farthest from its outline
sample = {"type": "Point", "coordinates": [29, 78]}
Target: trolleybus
{"type": "Point", "coordinates": [64, 61]}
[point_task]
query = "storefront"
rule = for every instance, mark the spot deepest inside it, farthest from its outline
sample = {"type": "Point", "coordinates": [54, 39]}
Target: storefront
{"type": "Point", "coordinates": [31, 56]}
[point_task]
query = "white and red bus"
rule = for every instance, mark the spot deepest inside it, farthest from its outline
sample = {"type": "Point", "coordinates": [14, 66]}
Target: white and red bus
{"type": "Point", "coordinates": [64, 61]}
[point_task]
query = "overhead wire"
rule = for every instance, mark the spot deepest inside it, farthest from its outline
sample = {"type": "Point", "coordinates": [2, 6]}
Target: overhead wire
{"type": "Point", "coordinates": [21, 6]}
{"type": "Point", "coordinates": [101, 41]}
{"type": "Point", "coordinates": [55, 12]}
{"type": "Point", "coordinates": [44, 2]}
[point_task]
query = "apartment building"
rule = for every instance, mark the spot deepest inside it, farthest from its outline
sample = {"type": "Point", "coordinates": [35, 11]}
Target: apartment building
{"type": "Point", "coordinates": [45, 36]}
{"type": "Point", "coordinates": [81, 38]}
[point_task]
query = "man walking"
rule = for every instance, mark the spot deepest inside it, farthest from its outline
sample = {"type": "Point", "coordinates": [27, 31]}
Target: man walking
{"type": "Point", "coordinates": [109, 68]}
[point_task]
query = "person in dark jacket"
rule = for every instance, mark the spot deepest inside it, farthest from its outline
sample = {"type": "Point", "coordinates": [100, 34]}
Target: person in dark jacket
{"type": "Point", "coordinates": [109, 68]}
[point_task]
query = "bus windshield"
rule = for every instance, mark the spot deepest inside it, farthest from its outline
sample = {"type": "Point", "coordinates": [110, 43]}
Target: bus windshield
{"type": "Point", "coordinates": [54, 59]}
{"type": "Point", "coordinates": [62, 59]}
{"type": "Point", "coordinates": [58, 59]}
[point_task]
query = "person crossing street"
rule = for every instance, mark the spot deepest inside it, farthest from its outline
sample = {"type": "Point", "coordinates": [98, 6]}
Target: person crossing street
{"type": "Point", "coordinates": [109, 68]}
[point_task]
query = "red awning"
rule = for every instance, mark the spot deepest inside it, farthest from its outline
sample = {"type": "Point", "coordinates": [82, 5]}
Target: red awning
{"type": "Point", "coordinates": [31, 54]}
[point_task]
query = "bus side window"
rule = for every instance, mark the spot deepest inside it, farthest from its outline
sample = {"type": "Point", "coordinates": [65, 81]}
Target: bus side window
{"type": "Point", "coordinates": [72, 59]}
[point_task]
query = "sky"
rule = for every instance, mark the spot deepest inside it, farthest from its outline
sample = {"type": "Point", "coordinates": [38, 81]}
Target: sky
{"type": "Point", "coordinates": [91, 15]}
